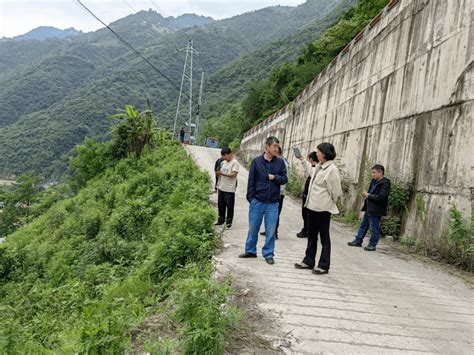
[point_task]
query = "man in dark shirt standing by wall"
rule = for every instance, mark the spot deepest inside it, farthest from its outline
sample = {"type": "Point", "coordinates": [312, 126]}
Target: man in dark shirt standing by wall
{"type": "Point", "coordinates": [267, 174]}
{"type": "Point", "coordinates": [375, 206]}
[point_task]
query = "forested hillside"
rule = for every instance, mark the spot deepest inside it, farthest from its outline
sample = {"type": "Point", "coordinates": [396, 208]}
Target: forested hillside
{"type": "Point", "coordinates": [228, 85]}
{"type": "Point", "coordinates": [281, 85]}
{"type": "Point", "coordinates": [49, 106]}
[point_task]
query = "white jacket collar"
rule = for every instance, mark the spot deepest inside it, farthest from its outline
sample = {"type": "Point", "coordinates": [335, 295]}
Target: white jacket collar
{"type": "Point", "coordinates": [326, 164]}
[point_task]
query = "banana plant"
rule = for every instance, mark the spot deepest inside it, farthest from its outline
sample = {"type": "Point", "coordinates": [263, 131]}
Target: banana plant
{"type": "Point", "coordinates": [138, 125]}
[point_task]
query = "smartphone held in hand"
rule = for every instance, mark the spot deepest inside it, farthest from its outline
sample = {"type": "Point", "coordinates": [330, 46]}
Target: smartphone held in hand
{"type": "Point", "coordinates": [297, 152]}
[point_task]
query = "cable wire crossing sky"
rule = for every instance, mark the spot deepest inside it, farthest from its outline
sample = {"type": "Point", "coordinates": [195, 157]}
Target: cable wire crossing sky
{"type": "Point", "coordinates": [20, 16]}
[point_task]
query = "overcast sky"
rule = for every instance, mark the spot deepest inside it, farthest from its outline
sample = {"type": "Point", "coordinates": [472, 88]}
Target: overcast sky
{"type": "Point", "coordinates": [20, 16]}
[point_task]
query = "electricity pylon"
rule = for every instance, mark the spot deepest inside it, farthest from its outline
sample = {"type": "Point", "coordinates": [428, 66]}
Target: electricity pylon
{"type": "Point", "coordinates": [186, 79]}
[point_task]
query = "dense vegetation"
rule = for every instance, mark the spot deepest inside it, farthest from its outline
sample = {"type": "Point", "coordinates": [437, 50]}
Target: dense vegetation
{"type": "Point", "coordinates": [50, 106]}
{"type": "Point", "coordinates": [285, 82]}
{"type": "Point", "coordinates": [133, 239]}
{"type": "Point", "coordinates": [454, 246]}
{"type": "Point", "coordinates": [229, 84]}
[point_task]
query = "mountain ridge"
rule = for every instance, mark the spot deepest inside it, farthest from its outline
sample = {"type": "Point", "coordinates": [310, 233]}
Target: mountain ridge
{"type": "Point", "coordinates": [40, 140]}
{"type": "Point", "coordinates": [43, 33]}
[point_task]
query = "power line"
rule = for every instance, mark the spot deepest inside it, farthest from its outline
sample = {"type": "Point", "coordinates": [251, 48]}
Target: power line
{"type": "Point", "coordinates": [161, 12]}
{"type": "Point", "coordinates": [184, 37]}
{"type": "Point", "coordinates": [130, 6]}
{"type": "Point", "coordinates": [128, 45]}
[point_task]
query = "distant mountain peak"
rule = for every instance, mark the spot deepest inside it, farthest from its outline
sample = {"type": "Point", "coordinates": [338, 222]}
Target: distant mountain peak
{"type": "Point", "coordinates": [189, 15]}
{"type": "Point", "coordinates": [45, 32]}
{"type": "Point", "coordinates": [191, 20]}
{"type": "Point", "coordinates": [171, 23]}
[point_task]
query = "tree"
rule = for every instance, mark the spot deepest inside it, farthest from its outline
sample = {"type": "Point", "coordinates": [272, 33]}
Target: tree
{"type": "Point", "coordinates": [252, 104]}
{"type": "Point", "coordinates": [25, 189]}
{"type": "Point", "coordinates": [138, 126]}
{"type": "Point", "coordinates": [131, 134]}
{"type": "Point", "coordinates": [16, 203]}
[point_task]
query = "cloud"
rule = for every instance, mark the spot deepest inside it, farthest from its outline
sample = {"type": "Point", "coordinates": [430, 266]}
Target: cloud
{"type": "Point", "coordinates": [20, 16]}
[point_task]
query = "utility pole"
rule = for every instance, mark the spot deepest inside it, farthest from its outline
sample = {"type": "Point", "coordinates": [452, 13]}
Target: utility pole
{"type": "Point", "coordinates": [198, 114]}
{"type": "Point", "coordinates": [186, 77]}
{"type": "Point", "coordinates": [190, 89]}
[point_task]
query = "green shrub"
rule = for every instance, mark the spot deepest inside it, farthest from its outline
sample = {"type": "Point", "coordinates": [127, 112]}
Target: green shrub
{"type": "Point", "coordinates": [349, 217]}
{"type": "Point", "coordinates": [91, 159]}
{"type": "Point", "coordinates": [400, 194]}
{"type": "Point", "coordinates": [460, 240]}
{"type": "Point", "coordinates": [82, 276]}
{"type": "Point", "coordinates": [235, 144]}
{"type": "Point", "coordinates": [295, 186]}
{"type": "Point", "coordinates": [455, 246]}
{"type": "Point", "coordinates": [91, 222]}
{"type": "Point", "coordinates": [200, 305]}
{"type": "Point", "coordinates": [390, 225]}
{"type": "Point", "coordinates": [408, 240]}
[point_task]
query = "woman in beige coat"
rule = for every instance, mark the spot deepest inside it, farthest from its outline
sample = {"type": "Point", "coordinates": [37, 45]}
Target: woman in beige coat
{"type": "Point", "coordinates": [324, 190]}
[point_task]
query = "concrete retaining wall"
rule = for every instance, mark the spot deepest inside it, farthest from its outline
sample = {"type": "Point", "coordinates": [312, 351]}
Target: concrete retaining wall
{"type": "Point", "coordinates": [401, 94]}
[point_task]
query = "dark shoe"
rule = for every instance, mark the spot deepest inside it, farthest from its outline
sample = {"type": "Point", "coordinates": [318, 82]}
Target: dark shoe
{"type": "Point", "coordinates": [228, 226]}
{"type": "Point", "coordinates": [302, 265]}
{"type": "Point", "coordinates": [301, 235]}
{"type": "Point", "coordinates": [270, 261]}
{"type": "Point", "coordinates": [320, 271]}
{"type": "Point", "coordinates": [262, 233]}
{"type": "Point", "coordinates": [247, 255]}
{"type": "Point", "coordinates": [219, 223]}
{"type": "Point", "coordinates": [369, 248]}
{"type": "Point", "coordinates": [354, 243]}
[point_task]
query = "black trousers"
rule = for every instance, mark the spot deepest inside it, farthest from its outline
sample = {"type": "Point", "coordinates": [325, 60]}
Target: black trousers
{"type": "Point", "coordinates": [280, 206]}
{"type": "Point", "coordinates": [304, 214]}
{"type": "Point", "coordinates": [318, 224]}
{"type": "Point", "coordinates": [225, 203]}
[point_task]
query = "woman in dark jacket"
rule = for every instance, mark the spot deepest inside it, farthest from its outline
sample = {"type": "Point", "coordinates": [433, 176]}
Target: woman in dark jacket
{"type": "Point", "coordinates": [313, 160]}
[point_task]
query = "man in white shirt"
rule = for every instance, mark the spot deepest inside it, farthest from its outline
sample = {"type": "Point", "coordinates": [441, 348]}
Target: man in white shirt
{"type": "Point", "coordinates": [226, 186]}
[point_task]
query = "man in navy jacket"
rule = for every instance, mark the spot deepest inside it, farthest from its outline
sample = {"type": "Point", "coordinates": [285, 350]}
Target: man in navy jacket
{"type": "Point", "coordinates": [375, 206]}
{"type": "Point", "coordinates": [267, 173]}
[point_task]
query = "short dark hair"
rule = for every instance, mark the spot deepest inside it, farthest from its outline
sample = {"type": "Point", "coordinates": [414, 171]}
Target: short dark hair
{"type": "Point", "coordinates": [225, 151]}
{"type": "Point", "coordinates": [313, 156]}
{"type": "Point", "coordinates": [328, 150]}
{"type": "Point", "coordinates": [379, 167]}
{"type": "Point", "coordinates": [272, 139]}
